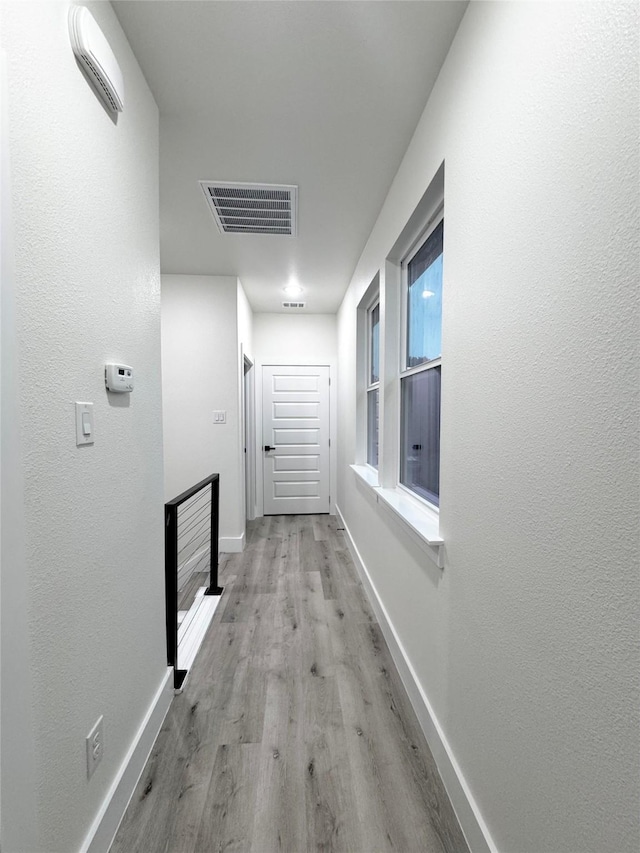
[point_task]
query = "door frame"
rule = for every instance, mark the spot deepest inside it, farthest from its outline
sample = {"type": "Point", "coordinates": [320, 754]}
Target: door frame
{"type": "Point", "coordinates": [259, 469]}
{"type": "Point", "coordinates": [248, 437]}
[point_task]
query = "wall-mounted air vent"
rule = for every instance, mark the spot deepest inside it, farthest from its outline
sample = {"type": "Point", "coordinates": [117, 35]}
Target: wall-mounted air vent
{"type": "Point", "coordinates": [93, 52]}
{"type": "Point", "coordinates": [293, 304]}
{"type": "Point", "coordinates": [252, 208]}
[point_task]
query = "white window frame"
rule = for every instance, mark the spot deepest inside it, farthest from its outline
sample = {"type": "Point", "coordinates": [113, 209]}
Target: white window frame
{"type": "Point", "coordinates": [417, 517]}
{"type": "Point", "coordinates": [370, 386]}
{"type": "Point", "coordinates": [368, 300]}
{"type": "Point", "coordinates": [403, 371]}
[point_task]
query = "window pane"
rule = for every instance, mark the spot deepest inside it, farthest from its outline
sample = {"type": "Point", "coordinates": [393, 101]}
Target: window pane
{"type": "Point", "coordinates": [372, 428]}
{"type": "Point", "coordinates": [424, 301]}
{"type": "Point", "coordinates": [374, 355]}
{"type": "Point", "coordinates": [420, 460]}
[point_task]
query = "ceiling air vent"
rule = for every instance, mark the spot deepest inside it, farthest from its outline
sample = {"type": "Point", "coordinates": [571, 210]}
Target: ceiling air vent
{"type": "Point", "coordinates": [293, 304]}
{"type": "Point", "coordinates": [252, 208]}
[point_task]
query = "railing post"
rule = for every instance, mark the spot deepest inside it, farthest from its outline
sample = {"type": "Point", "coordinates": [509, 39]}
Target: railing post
{"type": "Point", "coordinates": [171, 581]}
{"type": "Point", "coordinates": [214, 588]}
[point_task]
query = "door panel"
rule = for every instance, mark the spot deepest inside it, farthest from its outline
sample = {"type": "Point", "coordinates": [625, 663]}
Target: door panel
{"type": "Point", "coordinates": [295, 463]}
{"type": "Point", "coordinates": [294, 489]}
{"type": "Point", "coordinates": [290, 383]}
{"type": "Point", "coordinates": [287, 439]}
{"type": "Point", "coordinates": [295, 410]}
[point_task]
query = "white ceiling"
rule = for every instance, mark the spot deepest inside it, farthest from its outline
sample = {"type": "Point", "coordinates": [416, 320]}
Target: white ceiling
{"type": "Point", "coordinates": [325, 95]}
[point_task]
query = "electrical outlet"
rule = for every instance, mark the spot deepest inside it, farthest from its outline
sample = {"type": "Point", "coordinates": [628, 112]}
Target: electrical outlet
{"type": "Point", "coordinates": [95, 747]}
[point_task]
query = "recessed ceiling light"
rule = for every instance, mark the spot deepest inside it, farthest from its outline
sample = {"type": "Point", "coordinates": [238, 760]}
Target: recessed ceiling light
{"type": "Point", "coordinates": [427, 293]}
{"type": "Point", "coordinates": [293, 290]}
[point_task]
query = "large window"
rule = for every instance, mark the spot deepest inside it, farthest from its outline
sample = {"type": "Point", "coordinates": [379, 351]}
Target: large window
{"type": "Point", "coordinates": [420, 378]}
{"type": "Point", "coordinates": [373, 382]}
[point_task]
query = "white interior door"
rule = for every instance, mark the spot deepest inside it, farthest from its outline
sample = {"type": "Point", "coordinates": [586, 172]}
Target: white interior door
{"type": "Point", "coordinates": [295, 439]}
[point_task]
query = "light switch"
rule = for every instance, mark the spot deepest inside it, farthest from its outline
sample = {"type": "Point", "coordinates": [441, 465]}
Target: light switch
{"type": "Point", "coordinates": [84, 423]}
{"type": "Point", "coordinates": [219, 417]}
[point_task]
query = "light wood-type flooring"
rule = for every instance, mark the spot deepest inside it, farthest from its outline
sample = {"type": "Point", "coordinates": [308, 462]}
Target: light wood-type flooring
{"type": "Point", "coordinates": [294, 732]}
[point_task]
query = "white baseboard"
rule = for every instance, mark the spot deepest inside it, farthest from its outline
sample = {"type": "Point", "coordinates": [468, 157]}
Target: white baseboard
{"type": "Point", "coordinates": [231, 544]}
{"type": "Point", "coordinates": [114, 805]}
{"type": "Point", "coordinates": [473, 826]}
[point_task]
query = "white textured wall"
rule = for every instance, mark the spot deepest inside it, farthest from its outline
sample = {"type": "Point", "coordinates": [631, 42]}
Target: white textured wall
{"type": "Point", "coordinates": [87, 290]}
{"type": "Point", "coordinates": [200, 375]}
{"type": "Point", "coordinates": [527, 643]}
{"type": "Point", "coordinates": [245, 323]}
{"type": "Point", "coordinates": [17, 733]}
{"type": "Point", "coordinates": [295, 339]}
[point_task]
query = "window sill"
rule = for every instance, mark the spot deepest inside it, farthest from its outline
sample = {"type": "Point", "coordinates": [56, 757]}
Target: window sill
{"type": "Point", "coordinates": [369, 475]}
{"type": "Point", "coordinates": [421, 523]}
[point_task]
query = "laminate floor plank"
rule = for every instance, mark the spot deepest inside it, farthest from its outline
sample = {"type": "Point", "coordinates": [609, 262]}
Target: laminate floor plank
{"type": "Point", "coordinates": [331, 808]}
{"type": "Point", "coordinates": [320, 527]}
{"type": "Point", "coordinates": [169, 798]}
{"type": "Point", "coordinates": [237, 607]}
{"type": "Point", "coordinates": [260, 528]}
{"type": "Point", "coordinates": [293, 732]}
{"type": "Point", "coordinates": [336, 534]}
{"type": "Point", "coordinates": [373, 699]}
{"type": "Point", "coordinates": [308, 546]}
{"type": "Point", "coordinates": [266, 577]}
{"type": "Point", "coordinates": [327, 568]}
{"type": "Point", "coordinates": [280, 822]}
{"type": "Point", "coordinates": [315, 639]}
{"type": "Point", "coordinates": [231, 800]}
{"type": "Point", "coordinates": [244, 713]}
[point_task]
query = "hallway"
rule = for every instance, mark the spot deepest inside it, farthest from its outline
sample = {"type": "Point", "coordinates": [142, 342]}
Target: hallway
{"type": "Point", "coordinates": [293, 732]}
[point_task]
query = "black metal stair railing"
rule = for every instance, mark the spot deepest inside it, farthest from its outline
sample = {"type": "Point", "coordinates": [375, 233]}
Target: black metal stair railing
{"type": "Point", "coordinates": [190, 548]}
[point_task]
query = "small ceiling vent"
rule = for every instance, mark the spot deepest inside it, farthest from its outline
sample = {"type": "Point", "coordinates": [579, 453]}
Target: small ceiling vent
{"type": "Point", "coordinates": [293, 304]}
{"type": "Point", "coordinates": [252, 208]}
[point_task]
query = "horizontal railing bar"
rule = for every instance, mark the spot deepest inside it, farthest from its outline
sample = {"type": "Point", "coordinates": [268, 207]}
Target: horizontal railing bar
{"type": "Point", "coordinates": [196, 522]}
{"type": "Point", "coordinates": [186, 518]}
{"type": "Point", "coordinates": [192, 549]}
{"type": "Point", "coordinates": [202, 541]}
{"type": "Point", "coordinates": [193, 523]}
{"type": "Point", "coordinates": [188, 505]}
{"type": "Point", "coordinates": [196, 533]}
{"type": "Point", "coordinates": [193, 503]}
{"type": "Point", "coordinates": [202, 544]}
{"type": "Point", "coordinates": [193, 490]}
{"type": "Point", "coordinates": [193, 520]}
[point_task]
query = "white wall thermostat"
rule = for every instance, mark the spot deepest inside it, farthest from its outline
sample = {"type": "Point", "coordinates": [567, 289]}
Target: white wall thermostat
{"type": "Point", "coordinates": [118, 377]}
